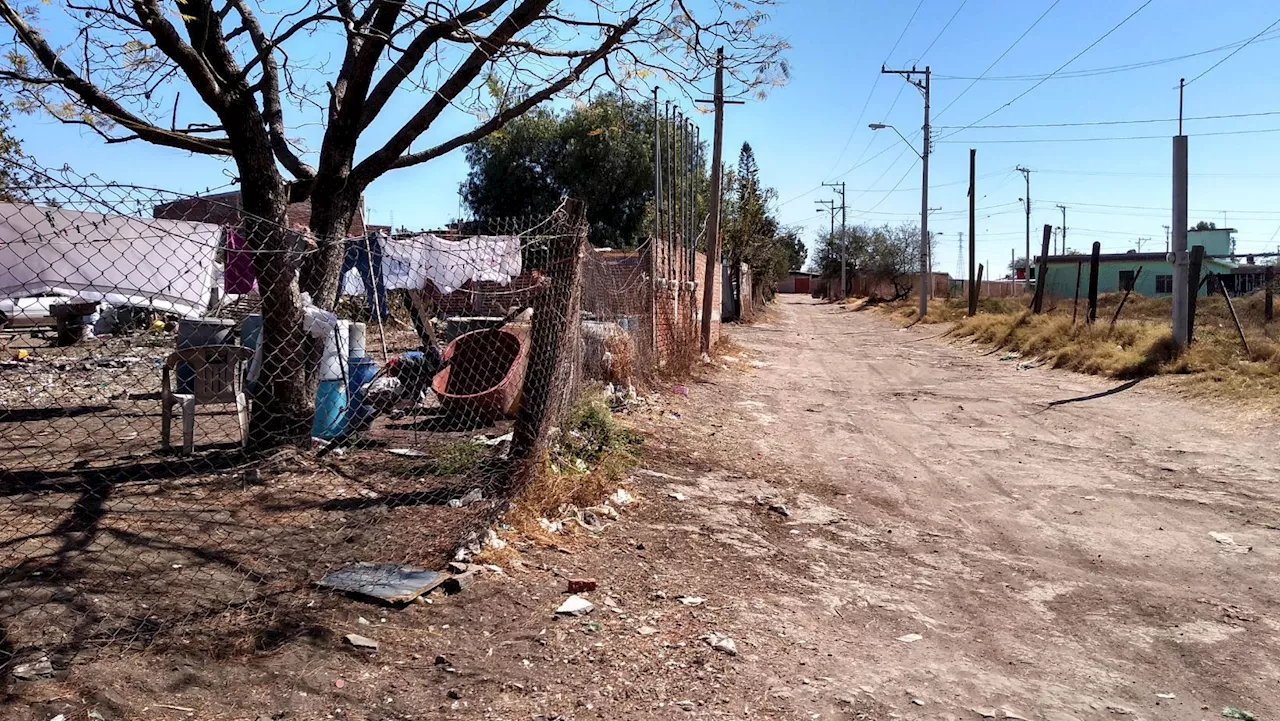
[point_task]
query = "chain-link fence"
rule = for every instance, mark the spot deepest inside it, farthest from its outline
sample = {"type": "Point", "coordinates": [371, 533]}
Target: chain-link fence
{"type": "Point", "coordinates": [156, 483]}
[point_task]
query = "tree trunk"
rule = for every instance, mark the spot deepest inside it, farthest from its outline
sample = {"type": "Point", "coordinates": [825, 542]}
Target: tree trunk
{"type": "Point", "coordinates": [332, 211]}
{"type": "Point", "coordinates": [282, 407]}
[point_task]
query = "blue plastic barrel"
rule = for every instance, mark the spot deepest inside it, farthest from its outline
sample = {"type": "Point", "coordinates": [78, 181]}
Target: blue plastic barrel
{"type": "Point", "coordinates": [331, 410]}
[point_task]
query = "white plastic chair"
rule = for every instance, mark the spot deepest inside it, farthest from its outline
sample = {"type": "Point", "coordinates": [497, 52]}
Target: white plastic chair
{"type": "Point", "coordinates": [216, 378]}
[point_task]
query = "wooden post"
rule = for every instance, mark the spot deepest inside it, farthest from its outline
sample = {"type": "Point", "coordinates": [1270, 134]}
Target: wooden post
{"type": "Point", "coordinates": [1042, 270]}
{"type": "Point", "coordinates": [977, 289]}
{"type": "Point", "coordinates": [1269, 276]}
{"type": "Point", "coordinates": [1127, 291]}
{"type": "Point", "coordinates": [1231, 307]}
{"type": "Point", "coordinates": [1075, 304]}
{"type": "Point", "coordinates": [973, 294]}
{"type": "Point", "coordinates": [1092, 315]}
{"type": "Point", "coordinates": [1193, 280]}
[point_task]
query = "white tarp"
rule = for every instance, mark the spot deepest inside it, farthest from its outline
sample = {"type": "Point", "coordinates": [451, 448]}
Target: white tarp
{"type": "Point", "coordinates": [123, 260]}
{"type": "Point", "coordinates": [409, 262]}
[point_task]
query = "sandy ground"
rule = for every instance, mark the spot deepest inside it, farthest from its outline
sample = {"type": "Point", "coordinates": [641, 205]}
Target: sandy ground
{"type": "Point", "coordinates": [887, 526]}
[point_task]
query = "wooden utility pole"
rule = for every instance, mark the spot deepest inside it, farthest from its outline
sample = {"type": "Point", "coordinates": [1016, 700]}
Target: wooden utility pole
{"type": "Point", "coordinates": [710, 287]}
{"type": "Point", "coordinates": [1042, 270]}
{"type": "Point", "coordinates": [973, 194]}
{"type": "Point", "coordinates": [1092, 315]}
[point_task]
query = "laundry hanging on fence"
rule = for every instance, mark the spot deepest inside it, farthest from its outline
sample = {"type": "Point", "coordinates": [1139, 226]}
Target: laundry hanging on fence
{"type": "Point", "coordinates": [411, 262]}
{"type": "Point", "coordinates": [167, 265]}
{"type": "Point", "coordinates": [238, 275]}
{"type": "Point", "coordinates": [364, 256]}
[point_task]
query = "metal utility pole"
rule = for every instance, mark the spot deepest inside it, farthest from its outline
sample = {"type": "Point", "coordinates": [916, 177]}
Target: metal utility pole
{"type": "Point", "coordinates": [844, 245]}
{"type": "Point", "coordinates": [657, 172]}
{"type": "Point", "coordinates": [713, 221]}
{"type": "Point", "coordinates": [1166, 238]}
{"type": "Point", "coordinates": [960, 254]}
{"type": "Point", "coordinates": [1063, 208]}
{"type": "Point", "coordinates": [926, 281]}
{"type": "Point", "coordinates": [1026, 259]}
{"type": "Point", "coordinates": [1178, 249]}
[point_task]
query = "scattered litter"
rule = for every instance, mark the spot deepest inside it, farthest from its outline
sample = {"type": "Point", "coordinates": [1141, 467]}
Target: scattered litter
{"type": "Point", "coordinates": [706, 359]}
{"type": "Point", "coordinates": [483, 440]}
{"type": "Point", "coordinates": [186, 709]}
{"type": "Point", "coordinates": [581, 585]}
{"type": "Point", "coordinates": [61, 717]}
{"type": "Point", "coordinates": [475, 495]}
{"type": "Point", "coordinates": [359, 641]}
{"type": "Point", "coordinates": [551, 526]}
{"type": "Point", "coordinates": [984, 712]}
{"type": "Point", "coordinates": [917, 702]}
{"type": "Point", "coordinates": [910, 638]}
{"type": "Point", "coordinates": [492, 542]}
{"type": "Point", "coordinates": [1165, 696]}
{"type": "Point", "coordinates": [339, 683]}
{"type": "Point", "coordinates": [622, 497]}
{"type": "Point", "coordinates": [410, 452]}
{"type": "Point", "coordinates": [678, 496]}
{"type": "Point", "coordinates": [40, 668]}
{"type": "Point", "coordinates": [460, 582]}
{"type": "Point", "coordinates": [592, 627]}
{"type": "Point", "coordinates": [780, 509]}
{"type": "Point", "coordinates": [575, 606]}
{"type": "Point", "coordinates": [363, 621]}
{"type": "Point", "coordinates": [384, 581]}
{"type": "Point", "coordinates": [646, 630]}
{"type": "Point", "coordinates": [1011, 714]}
{"type": "Point", "coordinates": [724, 644]}
{"type": "Point", "coordinates": [682, 391]}
{"type": "Point", "coordinates": [691, 600]}
{"type": "Point", "coordinates": [1230, 544]}
{"type": "Point", "coordinates": [1119, 710]}
{"type": "Point", "coordinates": [442, 660]}
{"type": "Point", "coordinates": [1010, 356]}
{"type": "Point", "coordinates": [1237, 713]}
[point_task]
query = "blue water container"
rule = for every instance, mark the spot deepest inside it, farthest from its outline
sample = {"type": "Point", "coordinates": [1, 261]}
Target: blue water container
{"type": "Point", "coordinates": [362, 371]}
{"type": "Point", "coordinates": [331, 410]}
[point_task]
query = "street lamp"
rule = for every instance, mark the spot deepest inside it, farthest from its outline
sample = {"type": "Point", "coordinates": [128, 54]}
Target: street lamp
{"type": "Point", "coordinates": [926, 280]}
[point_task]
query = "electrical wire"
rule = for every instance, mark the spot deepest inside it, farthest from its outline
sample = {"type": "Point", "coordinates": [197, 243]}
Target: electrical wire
{"type": "Point", "coordinates": [998, 59]}
{"type": "Point", "coordinates": [858, 123]}
{"type": "Point", "coordinates": [1106, 122]}
{"type": "Point", "coordinates": [1233, 52]}
{"type": "Point", "coordinates": [1091, 72]}
{"type": "Point", "coordinates": [944, 28]}
{"type": "Point", "coordinates": [1040, 82]}
{"type": "Point", "coordinates": [1107, 139]}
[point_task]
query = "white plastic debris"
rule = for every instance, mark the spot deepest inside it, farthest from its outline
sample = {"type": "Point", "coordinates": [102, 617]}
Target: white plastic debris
{"type": "Point", "coordinates": [678, 496]}
{"type": "Point", "coordinates": [723, 644]}
{"type": "Point", "coordinates": [691, 600]}
{"type": "Point", "coordinates": [1230, 543]}
{"type": "Point", "coordinates": [575, 606]}
{"type": "Point", "coordinates": [910, 638]}
{"type": "Point", "coordinates": [622, 497]}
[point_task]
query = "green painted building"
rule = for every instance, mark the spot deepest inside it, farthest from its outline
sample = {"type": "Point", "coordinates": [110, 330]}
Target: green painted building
{"type": "Point", "coordinates": [1118, 271]}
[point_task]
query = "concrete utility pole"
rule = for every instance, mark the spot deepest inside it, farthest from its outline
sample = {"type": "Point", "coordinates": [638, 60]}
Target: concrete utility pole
{"type": "Point", "coordinates": [926, 280]}
{"type": "Point", "coordinates": [1026, 260]}
{"type": "Point", "coordinates": [1178, 249]}
{"type": "Point", "coordinates": [844, 241]}
{"type": "Point", "coordinates": [1063, 208]}
{"type": "Point", "coordinates": [713, 221]}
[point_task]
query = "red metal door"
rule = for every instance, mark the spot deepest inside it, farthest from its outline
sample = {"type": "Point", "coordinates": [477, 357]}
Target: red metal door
{"type": "Point", "coordinates": [802, 285]}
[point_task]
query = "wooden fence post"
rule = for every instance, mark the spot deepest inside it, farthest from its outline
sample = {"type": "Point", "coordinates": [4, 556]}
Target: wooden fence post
{"type": "Point", "coordinates": [1075, 304]}
{"type": "Point", "coordinates": [1042, 271]}
{"type": "Point", "coordinates": [1092, 315]}
{"type": "Point", "coordinates": [977, 289]}
{"type": "Point", "coordinates": [1127, 291]}
{"type": "Point", "coordinates": [1193, 279]}
{"type": "Point", "coordinates": [1269, 276]}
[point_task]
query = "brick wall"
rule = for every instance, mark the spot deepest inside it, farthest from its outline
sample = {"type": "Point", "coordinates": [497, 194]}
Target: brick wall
{"type": "Point", "coordinates": [224, 209]}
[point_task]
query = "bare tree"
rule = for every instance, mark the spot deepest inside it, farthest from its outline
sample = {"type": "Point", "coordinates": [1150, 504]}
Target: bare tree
{"type": "Point", "coordinates": [318, 98]}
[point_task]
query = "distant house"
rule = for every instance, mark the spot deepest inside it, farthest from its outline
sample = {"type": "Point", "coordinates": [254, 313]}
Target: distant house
{"type": "Point", "coordinates": [796, 282]}
{"type": "Point", "coordinates": [225, 209]}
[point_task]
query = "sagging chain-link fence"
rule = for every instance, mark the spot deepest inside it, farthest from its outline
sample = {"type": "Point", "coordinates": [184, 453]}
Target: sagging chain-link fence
{"type": "Point", "coordinates": [149, 337]}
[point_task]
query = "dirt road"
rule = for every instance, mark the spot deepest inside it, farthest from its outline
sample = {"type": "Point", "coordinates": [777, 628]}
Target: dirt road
{"type": "Point", "coordinates": [1056, 560]}
{"type": "Point", "coordinates": [887, 526]}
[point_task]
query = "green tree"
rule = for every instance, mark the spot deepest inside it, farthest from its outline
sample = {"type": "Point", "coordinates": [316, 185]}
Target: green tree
{"type": "Point", "coordinates": [600, 153]}
{"type": "Point", "coordinates": [14, 179]}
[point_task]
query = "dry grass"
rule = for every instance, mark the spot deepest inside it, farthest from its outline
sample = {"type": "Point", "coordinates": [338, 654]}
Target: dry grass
{"type": "Point", "coordinates": [591, 457]}
{"type": "Point", "coordinates": [1140, 343]}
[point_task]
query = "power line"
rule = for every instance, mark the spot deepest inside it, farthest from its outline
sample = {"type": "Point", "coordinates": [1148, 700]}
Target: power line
{"type": "Point", "coordinates": [1106, 122]}
{"type": "Point", "coordinates": [998, 59]}
{"type": "Point", "coordinates": [943, 30]}
{"type": "Point", "coordinates": [1123, 174]}
{"type": "Point", "coordinates": [858, 123]}
{"type": "Point", "coordinates": [1107, 139]}
{"type": "Point", "coordinates": [1232, 53]}
{"type": "Point", "coordinates": [1075, 57]}
{"type": "Point", "coordinates": [1091, 72]}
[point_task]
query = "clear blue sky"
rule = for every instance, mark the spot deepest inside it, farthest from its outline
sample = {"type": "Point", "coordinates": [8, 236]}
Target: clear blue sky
{"type": "Point", "coordinates": [814, 129]}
